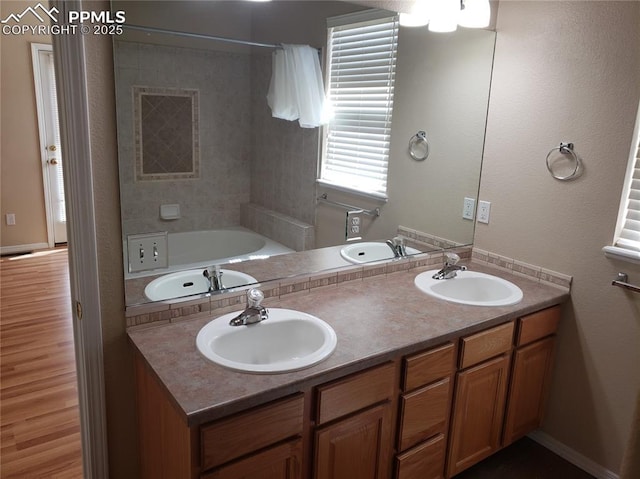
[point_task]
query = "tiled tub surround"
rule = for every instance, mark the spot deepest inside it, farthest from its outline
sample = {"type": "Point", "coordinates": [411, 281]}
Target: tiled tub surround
{"type": "Point", "coordinates": [375, 319]}
{"type": "Point", "coordinates": [331, 270]}
{"type": "Point", "coordinates": [222, 80]}
{"type": "Point", "coordinates": [284, 229]}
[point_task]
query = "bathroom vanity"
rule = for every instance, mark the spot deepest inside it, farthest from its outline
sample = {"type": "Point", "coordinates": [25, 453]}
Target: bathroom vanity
{"type": "Point", "coordinates": [416, 388]}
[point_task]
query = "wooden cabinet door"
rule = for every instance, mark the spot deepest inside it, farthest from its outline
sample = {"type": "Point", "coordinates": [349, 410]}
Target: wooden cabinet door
{"type": "Point", "coordinates": [530, 379]}
{"type": "Point", "coordinates": [279, 462]}
{"type": "Point", "coordinates": [358, 447]}
{"type": "Point", "coordinates": [424, 461]}
{"type": "Point", "coordinates": [424, 413]}
{"type": "Point", "coordinates": [478, 413]}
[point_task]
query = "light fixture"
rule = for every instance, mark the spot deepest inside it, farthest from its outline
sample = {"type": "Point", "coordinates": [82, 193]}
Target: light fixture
{"type": "Point", "coordinates": [418, 17]}
{"type": "Point", "coordinates": [443, 15]}
{"type": "Point", "coordinates": [475, 14]}
{"type": "Point", "coordinates": [446, 15]}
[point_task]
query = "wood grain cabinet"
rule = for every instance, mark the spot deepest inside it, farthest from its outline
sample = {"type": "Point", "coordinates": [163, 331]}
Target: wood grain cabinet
{"type": "Point", "coordinates": [425, 416]}
{"type": "Point", "coordinates": [279, 462]}
{"type": "Point", "coordinates": [424, 413]}
{"type": "Point", "coordinates": [501, 387]}
{"type": "Point", "coordinates": [355, 418]}
{"type": "Point", "coordinates": [477, 413]}
{"type": "Point", "coordinates": [531, 373]}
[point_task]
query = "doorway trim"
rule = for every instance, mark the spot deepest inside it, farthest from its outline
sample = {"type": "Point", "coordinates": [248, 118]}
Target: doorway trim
{"type": "Point", "coordinates": [36, 48]}
{"type": "Point", "coordinates": [69, 60]}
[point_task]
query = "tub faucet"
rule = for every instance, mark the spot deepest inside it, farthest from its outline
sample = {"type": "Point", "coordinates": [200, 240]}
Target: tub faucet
{"type": "Point", "coordinates": [397, 246]}
{"type": "Point", "coordinates": [451, 268]}
{"type": "Point", "coordinates": [254, 313]}
{"type": "Point", "coordinates": [214, 275]}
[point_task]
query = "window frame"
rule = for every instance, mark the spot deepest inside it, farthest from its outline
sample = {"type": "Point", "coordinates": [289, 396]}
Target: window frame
{"type": "Point", "coordinates": [624, 249]}
{"type": "Point", "coordinates": [358, 20]}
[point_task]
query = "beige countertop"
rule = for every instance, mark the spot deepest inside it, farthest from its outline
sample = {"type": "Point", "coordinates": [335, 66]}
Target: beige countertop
{"type": "Point", "coordinates": [375, 319]}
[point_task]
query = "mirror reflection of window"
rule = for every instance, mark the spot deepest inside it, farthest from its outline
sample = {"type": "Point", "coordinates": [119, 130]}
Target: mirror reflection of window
{"type": "Point", "coordinates": [166, 133]}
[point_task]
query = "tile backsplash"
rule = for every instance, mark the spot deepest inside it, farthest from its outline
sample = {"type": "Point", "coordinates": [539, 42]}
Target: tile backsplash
{"type": "Point", "coordinates": [189, 308]}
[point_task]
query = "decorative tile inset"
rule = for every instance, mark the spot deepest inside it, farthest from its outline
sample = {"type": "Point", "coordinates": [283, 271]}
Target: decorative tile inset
{"type": "Point", "coordinates": [166, 133]}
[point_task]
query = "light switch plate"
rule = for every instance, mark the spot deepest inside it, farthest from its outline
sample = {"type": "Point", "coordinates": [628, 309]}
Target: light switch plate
{"type": "Point", "coordinates": [468, 208]}
{"type": "Point", "coordinates": [484, 211]}
{"type": "Point", "coordinates": [147, 251]}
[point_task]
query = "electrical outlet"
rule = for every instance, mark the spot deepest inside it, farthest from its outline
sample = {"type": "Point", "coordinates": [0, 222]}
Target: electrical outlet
{"type": "Point", "coordinates": [11, 219]}
{"type": "Point", "coordinates": [484, 210]}
{"type": "Point", "coordinates": [147, 251]}
{"type": "Point", "coordinates": [354, 225]}
{"type": "Point", "coordinates": [468, 208]}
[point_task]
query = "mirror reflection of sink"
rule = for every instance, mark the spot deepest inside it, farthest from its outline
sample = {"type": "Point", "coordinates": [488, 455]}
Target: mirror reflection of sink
{"type": "Point", "coordinates": [470, 287]}
{"type": "Point", "coordinates": [369, 251]}
{"type": "Point", "coordinates": [185, 283]}
{"type": "Point", "coordinates": [287, 341]}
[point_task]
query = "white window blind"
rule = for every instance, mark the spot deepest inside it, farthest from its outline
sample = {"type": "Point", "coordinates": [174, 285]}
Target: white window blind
{"type": "Point", "coordinates": [361, 74]}
{"type": "Point", "coordinates": [629, 235]}
{"type": "Point", "coordinates": [52, 97]}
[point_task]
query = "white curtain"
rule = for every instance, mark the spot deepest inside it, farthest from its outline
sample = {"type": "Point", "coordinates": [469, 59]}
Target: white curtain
{"type": "Point", "coordinates": [296, 91]}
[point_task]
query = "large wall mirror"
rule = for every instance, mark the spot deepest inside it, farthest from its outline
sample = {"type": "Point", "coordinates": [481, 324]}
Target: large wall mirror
{"type": "Point", "coordinates": [249, 200]}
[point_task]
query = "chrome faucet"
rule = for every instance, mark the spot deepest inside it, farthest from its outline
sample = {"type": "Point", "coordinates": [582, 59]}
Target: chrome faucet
{"type": "Point", "coordinates": [214, 275]}
{"type": "Point", "coordinates": [254, 313]}
{"type": "Point", "coordinates": [397, 246]}
{"type": "Point", "coordinates": [451, 268]}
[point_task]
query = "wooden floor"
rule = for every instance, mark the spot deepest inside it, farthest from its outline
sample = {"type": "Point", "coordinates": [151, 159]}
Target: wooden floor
{"type": "Point", "coordinates": [524, 459]}
{"type": "Point", "coordinates": [39, 418]}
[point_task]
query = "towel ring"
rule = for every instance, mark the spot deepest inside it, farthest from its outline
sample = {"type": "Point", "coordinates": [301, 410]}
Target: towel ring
{"type": "Point", "coordinates": [420, 143]}
{"type": "Point", "coordinates": [565, 149]}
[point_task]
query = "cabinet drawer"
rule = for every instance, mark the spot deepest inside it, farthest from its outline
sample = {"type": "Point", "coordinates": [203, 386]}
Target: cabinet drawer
{"type": "Point", "coordinates": [424, 413]}
{"type": "Point", "coordinates": [355, 392]}
{"type": "Point", "coordinates": [538, 325]}
{"type": "Point", "coordinates": [424, 368]}
{"type": "Point", "coordinates": [284, 459]}
{"type": "Point", "coordinates": [485, 345]}
{"type": "Point", "coordinates": [246, 432]}
{"type": "Point", "coordinates": [425, 461]}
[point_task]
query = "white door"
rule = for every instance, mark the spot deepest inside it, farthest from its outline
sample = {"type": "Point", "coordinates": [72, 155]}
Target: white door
{"type": "Point", "coordinates": [51, 153]}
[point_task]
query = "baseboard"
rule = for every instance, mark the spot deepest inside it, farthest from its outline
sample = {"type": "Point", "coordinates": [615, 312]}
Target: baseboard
{"type": "Point", "coordinates": [572, 456]}
{"type": "Point", "coordinates": [22, 248]}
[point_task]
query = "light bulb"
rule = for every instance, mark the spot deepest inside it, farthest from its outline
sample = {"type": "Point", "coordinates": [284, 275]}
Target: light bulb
{"type": "Point", "coordinates": [418, 17]}
{"type": "Point", "coordinates": [444, 15]}
{"type": "Point", "coordinates": [475, 14]}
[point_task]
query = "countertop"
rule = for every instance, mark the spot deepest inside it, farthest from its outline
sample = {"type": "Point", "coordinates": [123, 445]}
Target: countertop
{"type": "Point", "coordinates": [375, 319]}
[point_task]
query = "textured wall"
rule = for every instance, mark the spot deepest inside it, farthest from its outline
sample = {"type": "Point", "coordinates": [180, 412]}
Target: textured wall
{"type": "Point", "coordinates": [570, 71]}
{"type": "Point", "coordinates": [118, 357]}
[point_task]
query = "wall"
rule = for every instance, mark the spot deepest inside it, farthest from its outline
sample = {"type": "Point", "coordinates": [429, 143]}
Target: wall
{"type": "Point", "coordinates": [442, 87]}
{"type": "Point", "coordinates": [570, 71]}
{"type": "Point", "coordinates": [118, 357]}
{"type": "Point", "coordinates": [21, 168]}
{"type": "Point", "coordinates": [284, 156]}
{"type": "Point", "coordinates": [223, 81]}
{"type": "Point", "coordinates": [552, 82]}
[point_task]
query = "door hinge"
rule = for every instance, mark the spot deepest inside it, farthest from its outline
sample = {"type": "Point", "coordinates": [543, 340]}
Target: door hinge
{"type": "Point", "coordinates": [79, 310]}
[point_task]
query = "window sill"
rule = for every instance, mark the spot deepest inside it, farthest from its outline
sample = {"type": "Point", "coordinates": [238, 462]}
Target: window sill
{"type": "Point", "coordinates": [622, 254]}
{"type": "Point", "coordinates": [364, 194]}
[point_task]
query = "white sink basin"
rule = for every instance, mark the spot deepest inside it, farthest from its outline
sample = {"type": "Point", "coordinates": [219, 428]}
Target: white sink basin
{"type": "Point", "coordinates": [185, 283]}
{"type": "Point", "coordinates": [288, 341]}
{"type": "Point", "coordinates": [369, 251]}
{"type": "Point", "coordinates": [470, 287]}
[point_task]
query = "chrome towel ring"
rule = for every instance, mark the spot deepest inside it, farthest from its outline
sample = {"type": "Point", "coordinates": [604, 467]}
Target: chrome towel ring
{"type": "Point", "coordinates": [419, 146]}
{"type": "Point", "coordinates": [564, 149]}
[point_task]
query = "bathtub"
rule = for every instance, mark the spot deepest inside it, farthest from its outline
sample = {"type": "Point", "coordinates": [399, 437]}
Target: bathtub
{"type": "Point", "coordinates": [200, 249]}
